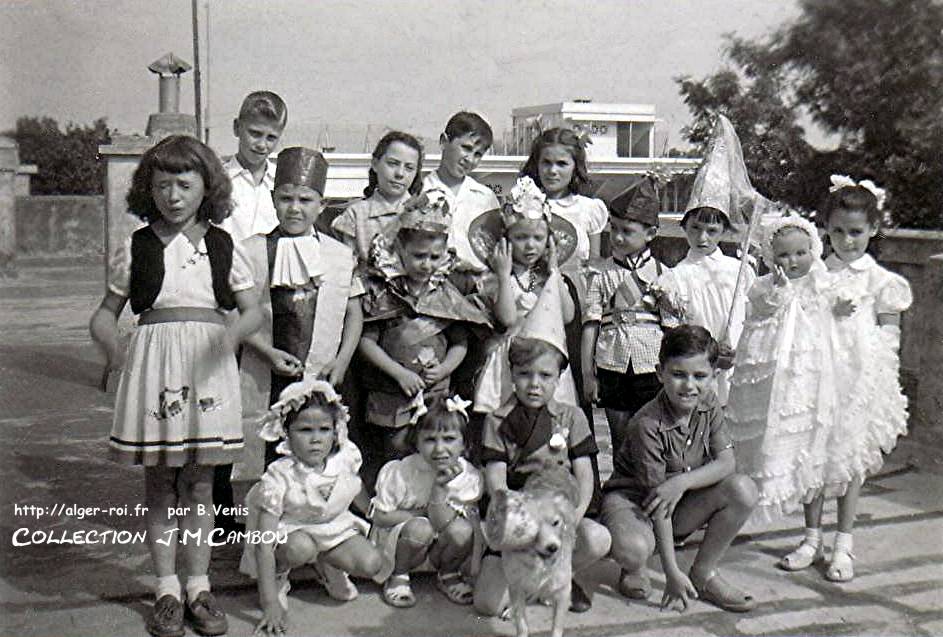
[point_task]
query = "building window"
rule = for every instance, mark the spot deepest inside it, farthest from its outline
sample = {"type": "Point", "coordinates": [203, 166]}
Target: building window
{"type": "Point", "coordinates": [633, 139]}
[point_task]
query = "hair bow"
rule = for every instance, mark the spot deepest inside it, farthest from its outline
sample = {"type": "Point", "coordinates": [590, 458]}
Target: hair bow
{"type": "Point", "coordinates": [527, 201]}
{"type": "Point", "coordinates": [583, 137]}
{"type": "Point", "coordinates": [844, 181]}
{"type": "Point", "coordinates": [457, 403]}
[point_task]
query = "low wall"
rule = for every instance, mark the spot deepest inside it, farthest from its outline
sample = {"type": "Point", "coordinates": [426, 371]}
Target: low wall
{"type": "Point", "coordinates": [66, 225]}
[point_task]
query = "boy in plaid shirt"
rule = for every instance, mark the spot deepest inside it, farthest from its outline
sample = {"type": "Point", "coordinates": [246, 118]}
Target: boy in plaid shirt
{"type": "Point", "coordinates": [621, 323]}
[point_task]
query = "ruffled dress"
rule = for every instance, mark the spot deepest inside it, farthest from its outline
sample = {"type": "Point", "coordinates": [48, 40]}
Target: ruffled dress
{"type": "Point", "coordinates": [494, 381]}
{"type": "Point", "coordinates": [178, 398]}
{"type": "Point", "coordinates": [406, 485]}
{"type": "Point", "coordinates": [873, 408]}
{"type": "Point", "coordinates": [781, 408]}
{"type": "Point", "coordinates": [307, 501]}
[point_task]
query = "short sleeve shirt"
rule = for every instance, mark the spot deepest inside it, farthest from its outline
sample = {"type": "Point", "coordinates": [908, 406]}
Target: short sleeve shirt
{"type": "Point", "coordinates": [253, 211]}
{"type": "Point", "coordinates": [587, 214]}
{"type": "Point", "coordinates": [364, 219]}
{"type": "Point", "coordinates": [499, 445]}
{"type": "Point", "coordinates": [471, 200]}
{"type": "Point", "coordinates": [407, 484]}
{"type": "Point", "coordinates": [658, 447]}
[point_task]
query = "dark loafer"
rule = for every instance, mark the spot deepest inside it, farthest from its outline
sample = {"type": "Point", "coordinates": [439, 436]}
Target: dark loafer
{"type": "Point", "coordinates": [205, 615]}
{"type": "Point", "coordinates": [580, 601]}
{"type": "Point", "coordinates": [166, 619]}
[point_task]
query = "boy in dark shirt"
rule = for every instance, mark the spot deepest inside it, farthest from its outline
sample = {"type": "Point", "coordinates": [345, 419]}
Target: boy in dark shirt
{"type": "Point", "coordinates": [674, 474]}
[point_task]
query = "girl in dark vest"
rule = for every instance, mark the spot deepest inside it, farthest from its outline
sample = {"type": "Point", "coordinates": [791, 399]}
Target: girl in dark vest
{"type": "Point", "coordinates": [178, 409]}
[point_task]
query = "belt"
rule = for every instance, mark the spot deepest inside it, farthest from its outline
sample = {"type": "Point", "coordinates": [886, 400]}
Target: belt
{"type": "Point", "coordinates": [629, 317]}
{"type": "Point", "coordinates": [179, 314]}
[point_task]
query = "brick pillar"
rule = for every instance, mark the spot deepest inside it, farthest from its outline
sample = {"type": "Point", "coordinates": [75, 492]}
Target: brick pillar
{"type": "Point", "coordinates": [930, 385]}
{"type": "Point", "coordinates": [9, 161]}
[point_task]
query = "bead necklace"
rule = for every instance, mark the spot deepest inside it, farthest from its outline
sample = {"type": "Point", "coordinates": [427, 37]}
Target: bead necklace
{"type": "Point", "coordinates": [531, 280]}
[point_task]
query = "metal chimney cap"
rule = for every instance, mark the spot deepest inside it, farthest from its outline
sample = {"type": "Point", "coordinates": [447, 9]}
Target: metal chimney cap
{"type": "Point", "coordinates": [170, 64]}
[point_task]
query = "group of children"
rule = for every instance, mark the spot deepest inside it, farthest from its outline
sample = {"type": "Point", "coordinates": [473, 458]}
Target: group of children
{"type": "Point", "coordinates": [460, 314]}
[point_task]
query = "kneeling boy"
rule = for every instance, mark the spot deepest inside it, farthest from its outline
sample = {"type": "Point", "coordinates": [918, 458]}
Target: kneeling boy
{"type": "Point", "coordinates": [675, 474]}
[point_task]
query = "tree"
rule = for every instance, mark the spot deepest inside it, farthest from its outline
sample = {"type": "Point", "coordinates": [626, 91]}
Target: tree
{"type": "Point", "coordinates": [67, 161]}
{"type": "Point", "coordinates": [868, 71]}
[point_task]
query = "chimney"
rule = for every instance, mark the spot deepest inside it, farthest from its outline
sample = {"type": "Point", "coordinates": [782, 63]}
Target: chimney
{"type": "Point", "coordinates": [169, 120]}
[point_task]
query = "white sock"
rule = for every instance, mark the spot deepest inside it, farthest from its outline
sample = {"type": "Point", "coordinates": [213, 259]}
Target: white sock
{"type": "Point", "coordinates": [196, 584]}
{"type": "Point", "coordinates": [813, 537]}
{"type": "Point", "coordinates": [168, 585]}
{"type": "Point", "coordinates": [843, 542]}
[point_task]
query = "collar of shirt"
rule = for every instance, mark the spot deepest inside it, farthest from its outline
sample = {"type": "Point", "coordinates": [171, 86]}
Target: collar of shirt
{"type": "Point", "coordinates": [634, 263]}
{"type": "Point", "coordinates": [565, 202]}
{"type": "Point", "coordinates": [432, 180]}
{"type": "Point", "coordinates": [194, 233]}
{"type": "Point", "coordinates": [669, 418]}
{"type": "Point", "coordinates": [861, 264]}
{"type": "Point", "coordinates": [555, 408]}
{"type": "Point", "coordinates": [381, 207]}
{"type": "Point", "coordinates": [715, 257]}
{"type": "Point", "coordinates": [234, 169]}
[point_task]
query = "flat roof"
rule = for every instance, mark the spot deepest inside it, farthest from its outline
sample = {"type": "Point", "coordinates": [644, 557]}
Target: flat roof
{"type": "Point", "coordinates": [591, 111]}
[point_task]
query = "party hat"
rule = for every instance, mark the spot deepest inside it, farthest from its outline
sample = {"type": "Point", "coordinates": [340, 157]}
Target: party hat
{"type": "Point", "coordinates": [301, 166]}
{"type": "Point", "coordinates": [429, 211]}
{"type": "Point", "coordinates": [545, 320]}
{"type": "Point", "coordinates": [722, 181]}
{"type": "Point", "coordinates": [639, 202]}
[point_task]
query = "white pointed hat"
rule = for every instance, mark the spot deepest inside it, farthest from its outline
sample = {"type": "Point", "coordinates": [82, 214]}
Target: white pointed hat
{"type": "Point", "coordinates": [545, 320]}
{"type": "Point", "coordinates": [722, 181]}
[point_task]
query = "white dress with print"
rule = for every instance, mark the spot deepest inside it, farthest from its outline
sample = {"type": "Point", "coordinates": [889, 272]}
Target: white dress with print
{"type": "Point", "coordinates": [873, 409]}
{"type": "Point", "coordinates": [406, 485]}
{"type": "Point", "coordinates": [178, 397]}
{"type": "Point", "coordinates": [782, 390]}
{"type": "Point", "coordinates": [316, 503]}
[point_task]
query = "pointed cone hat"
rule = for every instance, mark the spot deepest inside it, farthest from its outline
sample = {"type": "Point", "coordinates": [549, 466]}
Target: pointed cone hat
{"type": "Point", "coordinates": [722, 182]}
{"type": "Point", "coordinates": [545, 321]}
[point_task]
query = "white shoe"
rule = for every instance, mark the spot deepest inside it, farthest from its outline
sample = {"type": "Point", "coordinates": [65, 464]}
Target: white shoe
{"type": "Point", "coordinates": [336, 582]}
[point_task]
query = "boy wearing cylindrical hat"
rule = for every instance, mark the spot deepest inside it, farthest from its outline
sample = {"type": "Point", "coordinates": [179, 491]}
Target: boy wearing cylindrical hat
{"type": "Point", "coordinates": [310, 297]}
{"type": "Point", "coordinates": [622, 319]}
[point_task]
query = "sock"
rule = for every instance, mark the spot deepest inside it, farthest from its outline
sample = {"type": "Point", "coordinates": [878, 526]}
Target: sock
{"type": "Point", "coordinates": [843, 542]}
{"type": "Point", "coordinates": [813, 537]}
{"type": "Point", "coordinates": [196, 584]}
{"type": "Point", "coordinates": [168, 585]}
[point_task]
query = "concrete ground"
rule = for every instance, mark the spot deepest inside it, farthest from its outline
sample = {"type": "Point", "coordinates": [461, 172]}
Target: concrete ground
{"type": "Point", "coordinates": [54, 422]}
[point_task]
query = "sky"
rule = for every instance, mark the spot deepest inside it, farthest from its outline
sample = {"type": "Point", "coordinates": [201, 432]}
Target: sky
{"type": "Point", "coordinates": [344, 65]}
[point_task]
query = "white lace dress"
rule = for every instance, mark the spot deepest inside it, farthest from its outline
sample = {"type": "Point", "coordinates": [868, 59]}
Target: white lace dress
{"type": "Point", "coordinates": [873, 409]}
{"type": "Point", "coordinates": [782, 391]}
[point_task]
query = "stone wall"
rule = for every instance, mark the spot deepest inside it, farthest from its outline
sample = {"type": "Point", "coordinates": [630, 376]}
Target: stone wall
{"type": "Point", "coordinates": [62, 225]}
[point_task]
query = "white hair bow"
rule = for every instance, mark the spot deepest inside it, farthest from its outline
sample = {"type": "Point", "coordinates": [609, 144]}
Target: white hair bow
{"type": "Point", "coordinates": [844, 181]}
{"type": "Point", "coordinates": [457, 403]}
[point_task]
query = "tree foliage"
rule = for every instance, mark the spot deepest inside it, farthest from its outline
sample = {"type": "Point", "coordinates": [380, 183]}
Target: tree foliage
{"type": "Point", "coordinates": [867, 71]}
{"type": "Point", "coordinates": [67, 160]}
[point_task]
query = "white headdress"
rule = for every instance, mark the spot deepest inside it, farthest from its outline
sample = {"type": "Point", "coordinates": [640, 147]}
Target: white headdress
{"type": "Point", "coordinates": [789, 220]}
{"type": "Point", "coordinates": [291, 399]}
{"type": "Point", "coordinates": [844, 181]}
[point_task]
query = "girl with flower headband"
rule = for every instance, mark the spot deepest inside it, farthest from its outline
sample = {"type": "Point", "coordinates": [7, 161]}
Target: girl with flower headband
{"type": "Point", "coordinates": [523, 244]}
{"type": "Point", "coordinates": [873, 409]}
{"type": "Point", "coordinates": [415, 326]}
{"type": "Point", "coordinates": [782, 397]}
{"type": "Point", "coordinates": [303, 500]}
{"type": "Point", "coordinates": [426, 507]}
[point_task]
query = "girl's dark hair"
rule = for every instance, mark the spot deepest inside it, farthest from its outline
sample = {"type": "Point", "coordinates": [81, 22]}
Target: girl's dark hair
{"type": "Point", "coordinates": [317, 401]}
{"type": "Point", "coordinates": [524, 351]}
{"type": "Point", "coordinates": [408, 235]}
{"type": "Point", "coordinates": [571, 141]}
{"type": "Point", "coordinates": [852, 198]}
{"type": "Point", "coordinates": [380, 150]}
{"type": "Point", "coordinates": [685, 341]}
{"type": "Point", "coordinates": [179, 154]}
{"type": "Point", "coordinates": [705, 214]}
{"type": "Point", "coordinates": [439, 417]}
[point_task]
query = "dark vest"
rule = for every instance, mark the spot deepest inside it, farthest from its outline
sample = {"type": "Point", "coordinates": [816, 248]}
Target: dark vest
{"type": "Point", "coordinates": [147, 267]}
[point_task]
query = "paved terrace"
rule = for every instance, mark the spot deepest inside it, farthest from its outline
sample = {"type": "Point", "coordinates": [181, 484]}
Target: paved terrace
{"type": "Point", "coordinates": [54, 422]}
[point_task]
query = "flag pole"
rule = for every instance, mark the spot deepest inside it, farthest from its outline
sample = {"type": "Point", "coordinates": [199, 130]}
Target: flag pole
{"type": "Point", "coordinates": [760, 207]}
{"type": "Point", "coordinates": [197, 89]}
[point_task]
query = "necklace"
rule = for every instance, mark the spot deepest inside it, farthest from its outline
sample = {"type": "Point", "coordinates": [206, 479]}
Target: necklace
{"type": "Point", "coordinates": [531, 280]}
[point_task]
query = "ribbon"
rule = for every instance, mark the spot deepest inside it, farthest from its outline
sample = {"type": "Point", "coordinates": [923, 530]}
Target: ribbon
{"type": "Point", "coordinates": [844, 181]}
{"type": "Point", "coordinates": [457, 403]}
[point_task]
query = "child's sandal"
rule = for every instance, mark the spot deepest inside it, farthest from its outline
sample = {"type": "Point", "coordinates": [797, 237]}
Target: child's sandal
{"type": "Point", "coordinates": [841, 568]}
{"type": "Point", "coordinates": [454, 586]}
{"type": "Point", "coordinates": [398, 593]}
{"type": "Point", "coordinates": [802, 557]}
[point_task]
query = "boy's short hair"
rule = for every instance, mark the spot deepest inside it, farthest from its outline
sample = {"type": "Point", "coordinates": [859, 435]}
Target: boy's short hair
{"type": "Point", "coordinates": [705, 214]}
{"type": "Point", "coordinates": [524, 351]}
{"type": "Point", "coordinates": [685, 341]}
{"type": "Point", "coordinates": [264, 105]}
{"type": "Point", "coordinates": [465, 122]}
{"type": "Point", "coordinates": [409, 235]}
